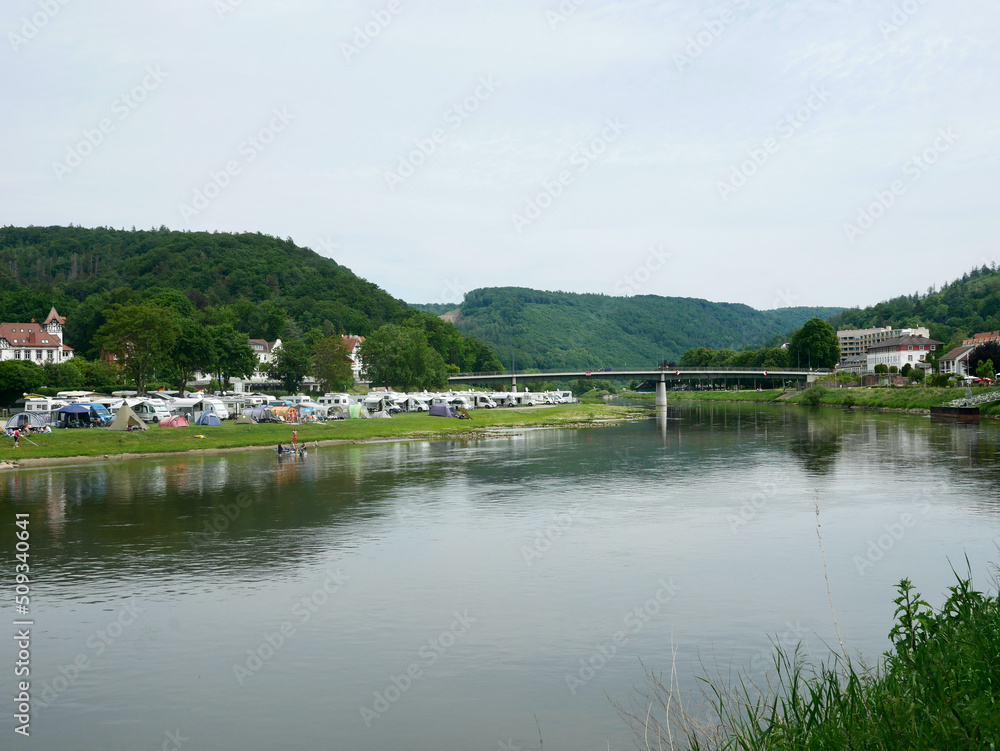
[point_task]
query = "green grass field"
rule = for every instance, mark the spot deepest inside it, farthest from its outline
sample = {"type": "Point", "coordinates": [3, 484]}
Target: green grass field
{"type": "Point", "coordinates": [872, 398]}
{"type": "Point", "coordinates": [98, 442]}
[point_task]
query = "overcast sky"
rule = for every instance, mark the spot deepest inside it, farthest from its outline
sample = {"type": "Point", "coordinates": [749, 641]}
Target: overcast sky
{"type": "Point", "coordinates": [781, 152]}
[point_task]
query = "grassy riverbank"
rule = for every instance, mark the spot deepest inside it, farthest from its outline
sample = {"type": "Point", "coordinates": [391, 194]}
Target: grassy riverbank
{"type": "Point", "coordinates": [937, 688]}
{"type": "Point", "coordinates": [868, 398]}
{"type": "Point", "coordinates": [95, 442]}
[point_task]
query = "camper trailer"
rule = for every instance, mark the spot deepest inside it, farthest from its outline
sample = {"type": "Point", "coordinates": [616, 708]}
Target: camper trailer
{"type": "Point", "coordinates": [39, 405]}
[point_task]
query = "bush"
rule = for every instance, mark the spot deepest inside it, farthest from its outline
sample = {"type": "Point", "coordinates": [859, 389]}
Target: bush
{"type": "Point", "coordinates": [813, 395]}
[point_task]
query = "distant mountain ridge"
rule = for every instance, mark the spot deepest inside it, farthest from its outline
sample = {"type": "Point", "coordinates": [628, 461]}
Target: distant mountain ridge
{"type": "Point", "coordinates": [545, 330]}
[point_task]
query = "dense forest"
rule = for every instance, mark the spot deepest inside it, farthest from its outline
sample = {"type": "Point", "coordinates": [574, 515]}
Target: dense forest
{"type": "Point", "coordinates": [546, 330]}
{"type": "Point", "coordinates": [261, 285]}
{"type": "Point", "coordinates": [959, 309]}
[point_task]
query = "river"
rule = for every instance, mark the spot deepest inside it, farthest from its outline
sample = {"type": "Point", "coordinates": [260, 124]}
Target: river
{"type": "Point", "coordinates": [437, 596]}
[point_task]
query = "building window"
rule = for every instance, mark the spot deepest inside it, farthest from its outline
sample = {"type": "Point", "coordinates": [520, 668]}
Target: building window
{"type": "Point", "coordinates": [911, 358]}
{"type": "Point", "coordinates": [910, 348]}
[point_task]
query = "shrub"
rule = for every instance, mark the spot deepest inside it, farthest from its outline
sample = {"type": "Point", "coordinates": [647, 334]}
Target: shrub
{"type": "Point", "coordinates": [813, 395]}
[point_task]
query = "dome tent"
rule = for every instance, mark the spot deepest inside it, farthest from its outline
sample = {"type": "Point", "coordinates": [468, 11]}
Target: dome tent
{"type": "Point", "coordinates": [209, 418]}
{"type": "Point", "coordinates": [20, 419]}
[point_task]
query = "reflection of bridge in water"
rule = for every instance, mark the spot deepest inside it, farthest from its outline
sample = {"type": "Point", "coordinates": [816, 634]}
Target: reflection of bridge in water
{"type": "Point", "coordinates": [660, 377]}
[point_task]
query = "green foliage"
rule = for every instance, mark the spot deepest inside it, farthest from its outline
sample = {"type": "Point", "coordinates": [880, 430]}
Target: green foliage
{"type": "Point", "coordinates": [550, 330]}
{"type": "Point", "coordinates": [882, 368]}
{"type": "Point", "coordinates": [936, 689]}
{"type": "Point", "coordinates": [905, 370]}
{"type": "Point", "coordinates": [893, 369]}
{"type": "Point", "coordinates": [815, 345]}
{"type": "Point", "coordinates": [940, 380]}
{"type": "Point", "coordinates": [770, 358]}
{"type": "Point", "coordinates": [66, 375]}
{"type": "Point", "coordinates": [400, 357]}
{"type": "Point", "coordinates": [813, 395]}
{"type": "Point", "coordinates": [233, 356]}
{"type": "Point", "coordinates": [291, 364]}
{"type": "Point", "coordinates": [254, 283]}
{"type": "Point", "coordinates": [917, 375]}
{"type": "Point", "coordinates": [331, 364]}
{"type": "Point", "coordinates": [986, 352]}
{"type": "Point", "coordinates": [18, 377]}
{"type": "Point", "coordinates": [141, 337]}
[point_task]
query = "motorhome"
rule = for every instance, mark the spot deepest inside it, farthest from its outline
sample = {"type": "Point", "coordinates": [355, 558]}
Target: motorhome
{"type": "Point", "coordinates": [193, 408]}
{"type": "Point", "coordinates": [36, 404]}
{"type": "Point", "coordinates": [336, 405]}
{"type": "Point", "coordinates": [149, 410]}
{"type": "Point", "coordinates": [481, 400]}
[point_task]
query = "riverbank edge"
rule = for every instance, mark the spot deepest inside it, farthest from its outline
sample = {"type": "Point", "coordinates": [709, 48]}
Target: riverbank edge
{"type": "Point", "coordinates": [788, 396]}
{"type": "Point", "coordinates": [476, 434]}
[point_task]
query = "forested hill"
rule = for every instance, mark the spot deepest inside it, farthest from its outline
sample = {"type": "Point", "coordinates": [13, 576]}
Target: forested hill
{"type": "Point", "coordinates": [560, 329]}
{"type": "Point", "coordinates": [959, 309]}
{"type": "Point", "coordinates": [263, 286]}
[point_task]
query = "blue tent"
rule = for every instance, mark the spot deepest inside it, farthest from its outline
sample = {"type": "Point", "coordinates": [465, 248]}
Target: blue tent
{"type": "Point", "coordinates": [443, 410]}
{"type": "Point", "coordinates": [209, 418]}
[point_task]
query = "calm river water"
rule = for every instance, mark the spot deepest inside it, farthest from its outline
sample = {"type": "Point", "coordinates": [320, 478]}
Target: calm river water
{"type": "Point", "coordinates": [442, 595]}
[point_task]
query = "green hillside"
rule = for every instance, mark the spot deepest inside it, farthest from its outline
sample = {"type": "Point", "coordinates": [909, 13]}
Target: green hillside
{"type": "Point", "coordinates": [263, 286]}
{"type": "Point", "coordinates": [559, 329]}
{"type": "Point", "coordinates": [959, 309]}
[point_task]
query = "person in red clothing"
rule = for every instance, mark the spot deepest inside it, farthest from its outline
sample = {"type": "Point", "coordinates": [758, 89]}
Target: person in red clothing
{"type": "Point", "coordinates": [17, 436]}
{"type": "Point", "coordinates": [295, 437]}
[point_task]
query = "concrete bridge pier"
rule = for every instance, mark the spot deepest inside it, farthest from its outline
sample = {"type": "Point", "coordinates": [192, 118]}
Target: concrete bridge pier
{"type": "Point", "coordinates": [661, 393]}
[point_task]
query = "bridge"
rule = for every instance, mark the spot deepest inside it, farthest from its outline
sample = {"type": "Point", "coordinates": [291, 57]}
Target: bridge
{"type": "Point", "coordinates": [660, 376]}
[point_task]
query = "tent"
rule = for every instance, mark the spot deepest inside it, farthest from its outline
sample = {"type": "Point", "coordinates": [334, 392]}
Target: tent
{"type": "Point", "coordinates": [243, 419]}
{"type": "Point", "coordinates": [126, 419]}
{"type": "Point", "coordinates": [381, 413]}
{"type": "Point", "coordinates": [174, 421]}
{"type": "Point", "coordinates": [443, 410]}
{"type": "Point", "coordinates": [73, 415]}
{"type": "Point", "coordinates": [20, 419]}
{"type": "Point", "coordinates": [356, 411]}
{"type": "Point", "coordinates": [209, 418]}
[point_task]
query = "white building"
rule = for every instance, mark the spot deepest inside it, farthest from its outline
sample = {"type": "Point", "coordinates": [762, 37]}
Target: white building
{"type": "Point", "coordinates": [353, 344]}
{"type": "Point", "coordinates": [857, 342]}
{"type": "Point", "coordinates": [956, 361]}
{"type": "Point", "coordinates": [904, 350]}
{"type": "Point", "coordinates": [38, 343]}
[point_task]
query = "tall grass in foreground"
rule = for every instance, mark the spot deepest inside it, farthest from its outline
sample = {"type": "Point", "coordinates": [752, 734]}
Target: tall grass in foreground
{"type": "Point", "coordinates": [938, 688]}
